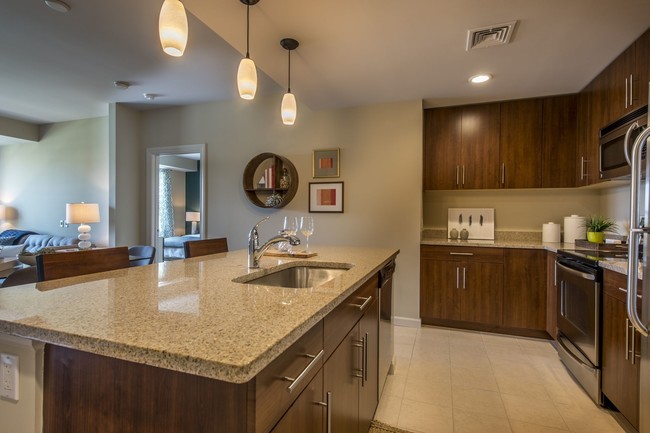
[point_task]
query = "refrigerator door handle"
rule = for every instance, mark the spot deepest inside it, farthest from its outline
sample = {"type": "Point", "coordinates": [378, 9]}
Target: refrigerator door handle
{"type": "Point", "coordinates": [635, 233]}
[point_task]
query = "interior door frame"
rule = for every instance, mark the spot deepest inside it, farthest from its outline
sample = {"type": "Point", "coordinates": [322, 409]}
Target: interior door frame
{"type": "Point", "coordinates": [153, 160]}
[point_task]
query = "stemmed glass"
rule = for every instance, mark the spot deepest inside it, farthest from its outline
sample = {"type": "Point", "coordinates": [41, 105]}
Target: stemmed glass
{"type": "Point", "coordinates": [290, 227]}
{"type": "Point", "coordinates": [307, 228]}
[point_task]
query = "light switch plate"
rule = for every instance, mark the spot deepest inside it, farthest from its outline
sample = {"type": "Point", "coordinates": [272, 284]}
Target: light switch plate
{"type": "Point", "coordinates": [9, 372]}
{"type": "Point", "coordinates": [479, 222]}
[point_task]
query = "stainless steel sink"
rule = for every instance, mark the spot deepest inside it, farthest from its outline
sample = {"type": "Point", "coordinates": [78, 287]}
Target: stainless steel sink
{"type": "Point", "coordinates": [297, 277]}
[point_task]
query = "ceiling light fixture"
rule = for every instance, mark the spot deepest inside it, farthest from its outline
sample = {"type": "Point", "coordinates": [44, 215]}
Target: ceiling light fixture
{"type": "Point", "coordinates": [478, 79]}
{"type": "Point", "coordinates": [149, 96]}
{"type": "Point", "coordinates": [247, 74]}
{"type": "Point", "coordinates": [289, 108]}
{"type": "Point", "coordinates": [122, 85]}
{"type": "Point", "coordinates": [58, 5]}
{"type": "Point", "coordinates": [172, 28]}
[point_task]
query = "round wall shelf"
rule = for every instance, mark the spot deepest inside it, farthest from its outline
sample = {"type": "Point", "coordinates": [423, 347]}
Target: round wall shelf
{"type": "Point", "coordinates": [270, 180]}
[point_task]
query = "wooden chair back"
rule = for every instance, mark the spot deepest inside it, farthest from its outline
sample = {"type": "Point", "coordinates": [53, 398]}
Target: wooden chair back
{"type": "Point", "coordinates": [203, 247]}
{"type": "Point", "coordinates": [146, 252]}
{"type": "Point", "coordinates": [20, 277]}
{"type": "Point", "coordinates": [70, 264]}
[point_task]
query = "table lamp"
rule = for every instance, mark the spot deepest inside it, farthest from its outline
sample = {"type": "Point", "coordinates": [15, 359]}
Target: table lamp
{"type": "Point", "coordinates": [83, 214]}
{"type": "Point", "coordinates": [194, 217]}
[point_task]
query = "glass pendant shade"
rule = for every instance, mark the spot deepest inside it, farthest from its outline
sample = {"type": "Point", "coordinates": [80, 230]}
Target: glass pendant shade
{"type": "Point", "coordinates": [288, 109]}
{"type": "Point", "coordinates": [247, 78]}
{"type": "Point", "coordinates": [172, 27]}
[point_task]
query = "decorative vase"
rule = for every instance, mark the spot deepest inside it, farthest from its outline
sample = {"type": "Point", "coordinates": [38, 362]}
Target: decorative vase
{"type": "Point", "coordinates": [596, 237]}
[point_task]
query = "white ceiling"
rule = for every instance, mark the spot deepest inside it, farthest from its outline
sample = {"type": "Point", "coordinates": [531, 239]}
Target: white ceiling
{"type": "Point", "coordinates": [58, 67]}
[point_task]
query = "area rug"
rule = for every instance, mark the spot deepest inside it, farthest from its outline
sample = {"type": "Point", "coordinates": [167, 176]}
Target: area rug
{"type": "Point", "coordinates": [380, 427]}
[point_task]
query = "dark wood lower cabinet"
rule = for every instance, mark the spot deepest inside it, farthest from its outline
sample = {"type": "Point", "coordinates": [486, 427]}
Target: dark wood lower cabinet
{"type": "Point", "coordinates": [551, 295]}
{"type": "Point", "coordinates": [481, 292]}
{"type": "Point", "coordinates": [307, 412]}
{"type": "Point", "coordinates": [369, 390]}
{"type": "Point", "coordinates": [620, 362]}
{"type": "Point", "coordinates": [524, 291]}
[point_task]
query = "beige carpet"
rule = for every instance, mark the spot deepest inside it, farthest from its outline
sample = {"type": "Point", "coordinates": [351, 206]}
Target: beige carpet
{"type": "Point", "coordinates": [380, 427]}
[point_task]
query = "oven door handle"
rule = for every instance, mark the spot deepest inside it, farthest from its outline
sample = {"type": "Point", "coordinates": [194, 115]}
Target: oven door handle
{"type": "Point", "coordinates": [575, 358]}
{"type": "Point", "coordinates": [583, 275]}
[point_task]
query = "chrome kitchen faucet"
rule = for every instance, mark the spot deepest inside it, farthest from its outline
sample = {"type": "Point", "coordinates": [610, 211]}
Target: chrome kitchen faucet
{"type": "Point", "coordinates": [255, 252]}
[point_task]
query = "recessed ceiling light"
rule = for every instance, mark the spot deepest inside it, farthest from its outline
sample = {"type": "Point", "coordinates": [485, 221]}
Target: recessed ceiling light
{"type": "Point", "coordinates": [149, 96]}
{"type": "Point", "coordinates": [482, 78]}
{"type": "Point", "coordinates": [58, 5]}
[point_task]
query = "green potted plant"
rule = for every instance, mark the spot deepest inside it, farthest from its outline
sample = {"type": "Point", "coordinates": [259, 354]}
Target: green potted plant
{"type": "Point", "coordinates": [597, 226]}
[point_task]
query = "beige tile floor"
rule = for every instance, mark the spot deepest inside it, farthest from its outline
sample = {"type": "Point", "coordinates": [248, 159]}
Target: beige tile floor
{"type": "Point", "coordinates": [452, 381]}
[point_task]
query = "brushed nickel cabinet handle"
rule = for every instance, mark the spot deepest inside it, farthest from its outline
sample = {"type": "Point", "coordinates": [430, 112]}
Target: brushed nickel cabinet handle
{"type": "Point", "coordinates": [461, 254]}
{"type": "Point", "coordinates": [366, 301]}
{"type": "Point", "coordinates": [328, 405]}
{"type": "Point", "coordinates": [457, 277]}
{"type": "Point", "coordinates": [463, 175]}
{"type": "Point", "coordinates": [365, 358]}
{"type": "Point", "coordinates": [582, 168]}
{"type": "Point", "coordinates": [457, 171]}
{"type": "Point", "coordinates": [503, 173]}
{"type": "Point", "coordinates": [631, 90]}
{"type": "Point", "coordinates": [295, 382]}
{"type": "Point", "coordinates": [464, 277]}
{"type": "Point", "coordinates": [626, 98]}
{"type": "Point", "coordinates": [627, 339]}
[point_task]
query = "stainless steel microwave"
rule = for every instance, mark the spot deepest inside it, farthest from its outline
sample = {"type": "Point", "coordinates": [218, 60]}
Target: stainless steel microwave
{"type": "Point", "coordinates": [613, 163]}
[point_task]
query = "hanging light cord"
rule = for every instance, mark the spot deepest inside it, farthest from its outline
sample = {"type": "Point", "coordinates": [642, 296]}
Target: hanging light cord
{"type": "Point", "coordinates": [289, 84]}
{"type": "Point", "coordinates": [248, 13]}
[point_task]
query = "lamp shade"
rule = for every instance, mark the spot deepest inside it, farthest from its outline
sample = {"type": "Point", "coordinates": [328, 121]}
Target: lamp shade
{"type": "Point", "coordinates": [3, 212]}
{"type": "Point", "coordinates": [247, 78]}
{"type": "Point", "coordinates": [288, 109]}
{"type": "Point", "coordinates": [172, 27]}
{"type": "Point", "coordinates": [82, 213]}
{"type": "Point", "coordinates": [193, 216]}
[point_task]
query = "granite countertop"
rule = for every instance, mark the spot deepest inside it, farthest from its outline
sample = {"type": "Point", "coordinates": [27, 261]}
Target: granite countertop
{"type": "Point", "coordinates": [185, 315]}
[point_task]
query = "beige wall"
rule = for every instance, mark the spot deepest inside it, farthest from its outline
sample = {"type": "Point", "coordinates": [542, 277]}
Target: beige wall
{"type": "Point", "coordinates": [381, 149]}
{"type": "Point", "coordinates": [615, 203]}
{"type": "Point", "coordinates": [69, 164]}
{"type": "Point", "coordinates": [24, 415]}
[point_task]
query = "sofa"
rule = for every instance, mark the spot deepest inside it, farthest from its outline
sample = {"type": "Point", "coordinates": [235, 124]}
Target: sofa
{"type": "Point", "coordinates": [34, 242]}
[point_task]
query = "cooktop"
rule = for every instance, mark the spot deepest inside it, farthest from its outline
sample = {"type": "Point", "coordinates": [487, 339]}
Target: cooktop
{"type": "Point", "coordinates": [592, 257]}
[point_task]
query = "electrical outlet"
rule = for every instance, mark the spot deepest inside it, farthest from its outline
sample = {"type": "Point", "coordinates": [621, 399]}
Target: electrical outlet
{"type": "Point", "coordinates": [9, 372]}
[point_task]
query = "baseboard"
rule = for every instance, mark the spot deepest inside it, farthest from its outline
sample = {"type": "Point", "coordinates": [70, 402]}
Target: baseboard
{"type": "Point", "coordinates": [407, 322]}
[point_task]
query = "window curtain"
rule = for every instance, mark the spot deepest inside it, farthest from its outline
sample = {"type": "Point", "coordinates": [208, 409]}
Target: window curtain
{"type": "Point", "coordinates": [166, 211]}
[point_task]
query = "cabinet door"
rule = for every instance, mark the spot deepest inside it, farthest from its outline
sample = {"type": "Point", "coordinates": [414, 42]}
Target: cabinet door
{"type": "Point", "coordinates": [584, 124]}
{"type": "Point", "coordinates": [438, 289]}
{"type": "Point", "coordinates": [642, 69]}
{"type": "Point", "coordinates": [524, 290]}
{"type": "Point", "coordinates": [480, 147]}
{"type": "Point", "coordinates": [306, 414]}
{"type": "Point", "coordinates": [551, 294]}
{"type": "Point", "coordinates": [442, 135]}
{"type": "Point", "coordinates": [369, 390]}
{"type": "Point", "coordinates": [559, 138]}
{"type": "Point", "coordinates": [617, 85]}
{"type": "Point", "coordinates": [481, 293]}
{"type": "Point", "coordinates": [597, 115]}
{"type": "Point", "coordinates": [340, 377]}
{"type": "Point", "coordinates": [521, 143]}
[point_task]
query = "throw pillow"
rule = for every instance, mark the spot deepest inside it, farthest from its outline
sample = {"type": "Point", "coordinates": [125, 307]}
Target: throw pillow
{"type": "Point", "coordinates": [7, 240]}
{"type": "Point", "coordinates": [11, 250]}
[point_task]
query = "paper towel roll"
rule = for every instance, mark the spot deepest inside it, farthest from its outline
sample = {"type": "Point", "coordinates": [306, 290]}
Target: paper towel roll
{"type": "Point", "coordinates": [574, 228]}
{"type": "Point", "coordinates": [550, 232]}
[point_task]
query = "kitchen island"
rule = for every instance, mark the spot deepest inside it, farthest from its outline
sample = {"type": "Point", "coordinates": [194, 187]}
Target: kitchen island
{"type": "Point", "coordinates": [187, 325]}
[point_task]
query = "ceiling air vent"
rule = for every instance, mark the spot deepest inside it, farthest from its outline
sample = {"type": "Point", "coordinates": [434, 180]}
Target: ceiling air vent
{"type": "Point", "coordinates": [490, 36]}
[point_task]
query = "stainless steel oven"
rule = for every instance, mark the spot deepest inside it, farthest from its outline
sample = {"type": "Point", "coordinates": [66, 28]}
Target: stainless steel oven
{"type": "Point", "coordinates": [579, 317]}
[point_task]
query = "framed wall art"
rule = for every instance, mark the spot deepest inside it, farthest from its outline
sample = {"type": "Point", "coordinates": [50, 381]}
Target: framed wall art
{"type": "Point", "coordinates": [326, 197]}
{"type": "Point", "coordinates": [325, 163]}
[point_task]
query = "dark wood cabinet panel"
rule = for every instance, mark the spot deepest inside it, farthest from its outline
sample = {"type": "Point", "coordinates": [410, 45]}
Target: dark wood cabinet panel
{"type": "Point", "coordinates": [524, 292]}
{"type": "Point", "coordinates": [340, 379]}
{"type": "Point", "coordinates": [306, 414]}
{"type": "Point", "coordinates": [438, 281]}
{"type": "Point", "coordinates": [481, 293]}
{"type": "Point", "coordinates": [620, 364]}
{"type": "Point", "coordinates": [521, 143]}
{"type": "Point", "coordinates": [559, 141]}
{"type": "Point", "coordinates": [369, 389]}
{"type": "Point", "coordinates": [582, 151]}
{"type": "Point", "coordinates": [617, 87]}
{"type": "Point", "coordinates": [442, 141]}
{"type": "Point", "coordinates": [480, 146]}
{"type": "Point", "coordinates": [642, 69]}
{"type": "Point", "coordinates": [551, 295]}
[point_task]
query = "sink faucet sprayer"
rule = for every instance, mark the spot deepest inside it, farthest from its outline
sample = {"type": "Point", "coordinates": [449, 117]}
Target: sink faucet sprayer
{"type": "Point", "coordinates": [255, 252]}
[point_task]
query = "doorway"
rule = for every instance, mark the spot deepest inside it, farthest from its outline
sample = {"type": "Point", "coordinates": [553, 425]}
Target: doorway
{"type": "Point", "coordinates": [176, 210]}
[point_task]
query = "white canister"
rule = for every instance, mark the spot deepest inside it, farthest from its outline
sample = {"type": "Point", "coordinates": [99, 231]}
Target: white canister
{"type": "Point", "coordinates": [550, 232]}
{"type": "Point", "coordinates": [574, 228]}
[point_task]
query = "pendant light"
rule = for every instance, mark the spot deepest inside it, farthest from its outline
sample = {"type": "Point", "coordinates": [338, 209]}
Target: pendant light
{"type": "Point", "coordinates": [247, 74]}
{"type": "Point", "coordinates": [172, 28]}
{"type": "Point", "coordinates": [289, 108]}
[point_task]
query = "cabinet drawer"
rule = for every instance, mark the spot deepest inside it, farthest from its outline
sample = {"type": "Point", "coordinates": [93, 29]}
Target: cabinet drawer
{"type": "Point", "coordinates": [338, 323]}
{"type": "Point", "coordinates": [615, 284]}
{"type": "Point", "coordinates": [301, 362]}
{"type": "Point", "coordinates": [462, 254]}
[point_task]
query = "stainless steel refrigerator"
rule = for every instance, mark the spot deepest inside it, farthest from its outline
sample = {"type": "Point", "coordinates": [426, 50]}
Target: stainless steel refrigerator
{"type": "Point", "coordinates": [639, 233]}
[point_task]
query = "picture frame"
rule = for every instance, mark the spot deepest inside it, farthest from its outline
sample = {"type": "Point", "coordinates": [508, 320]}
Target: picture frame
{"type": "Point", "coordinates": [326, 163]}
{"type": "Point", "coordinates": [326, 197]}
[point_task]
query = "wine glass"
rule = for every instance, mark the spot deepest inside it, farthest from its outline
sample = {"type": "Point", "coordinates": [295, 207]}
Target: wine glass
{"type": "Point", "coordinates": [307, 229]}
{"type": "Point", "coordinates": [290, 227]}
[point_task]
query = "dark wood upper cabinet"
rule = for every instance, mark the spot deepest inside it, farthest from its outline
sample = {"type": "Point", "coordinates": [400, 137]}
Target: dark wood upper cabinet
{"type": "Point", "coordinates": [582, 143]}
{"type": "Point", "coordinates": [480, 146]}
{"type": "Point", "coordinates": [618, 90]}
{"type": "Point", "coordinates": [521, 143]}
{"type": "Point", "coordinates": [442, 135]}
{"type": "Point", "coordinates": [642, 68]}
{"type": "Point", "coordinates": [559, 139]}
